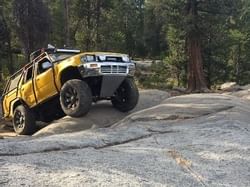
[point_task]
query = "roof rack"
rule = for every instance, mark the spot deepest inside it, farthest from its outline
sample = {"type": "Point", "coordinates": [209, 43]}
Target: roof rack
{"type": "Point", "coordinates": [40, 52]}
{"type": "Point", "coordinates": [39, 57]}
{"type": "Point", "coordinates": [68, 50]}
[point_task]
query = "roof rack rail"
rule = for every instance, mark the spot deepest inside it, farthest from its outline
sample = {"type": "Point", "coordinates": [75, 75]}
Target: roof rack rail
{"type": "Point", "coordinates": [39, 57]}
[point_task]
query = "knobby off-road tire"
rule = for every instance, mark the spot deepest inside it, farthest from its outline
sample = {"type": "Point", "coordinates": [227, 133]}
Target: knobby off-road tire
{"type": "Point", "coordinates": [24, 122]}
{"type": "Point", "coordinates": [75, 98]}
{"type": "Point", "coordinates": [126, 96]}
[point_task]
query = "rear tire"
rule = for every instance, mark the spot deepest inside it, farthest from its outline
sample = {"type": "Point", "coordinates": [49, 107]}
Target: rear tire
{"type": "Point", "coordinates": [126, 96]}
{"type": "Point", "coordinates": [24, 122]}
{"type": "Point", "coordinates": [75, 98]}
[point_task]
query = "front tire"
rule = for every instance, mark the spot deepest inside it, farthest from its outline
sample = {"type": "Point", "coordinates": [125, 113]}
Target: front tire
{"type": "Point", "coordinates": [24, 122]}
{"type": "Point", "coordinates": [126, 96]}
{"type": "Point", "coordinates": [75, 98]}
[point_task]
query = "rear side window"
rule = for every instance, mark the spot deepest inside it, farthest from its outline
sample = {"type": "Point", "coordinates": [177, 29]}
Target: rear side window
{"type": "Point", "coordinates": [43, 66]}
{"type": "Point", "coordinates": [14, 82]}
{"type": "Point", "coordinates": [28, 75]}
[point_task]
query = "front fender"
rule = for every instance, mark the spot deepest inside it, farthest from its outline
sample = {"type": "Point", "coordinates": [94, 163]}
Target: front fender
{"type": "Point", "coordinates": [61, 66]}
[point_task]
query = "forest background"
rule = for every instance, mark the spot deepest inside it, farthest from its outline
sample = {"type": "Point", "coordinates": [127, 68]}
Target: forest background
{"type": "Point", "coordinates": [196, 44]}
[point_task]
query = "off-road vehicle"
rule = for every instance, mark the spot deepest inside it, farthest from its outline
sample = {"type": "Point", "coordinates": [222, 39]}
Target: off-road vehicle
{"type": "Point", "coordinates": [61, 81]}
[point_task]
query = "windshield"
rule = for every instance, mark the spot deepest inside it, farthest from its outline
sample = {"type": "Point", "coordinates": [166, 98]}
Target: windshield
{"type": "Point", "coordinates": [60, 56]}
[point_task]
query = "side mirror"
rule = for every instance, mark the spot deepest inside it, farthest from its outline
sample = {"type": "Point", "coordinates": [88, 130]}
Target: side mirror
{"type": "Point", "coordinates": [46, 65]}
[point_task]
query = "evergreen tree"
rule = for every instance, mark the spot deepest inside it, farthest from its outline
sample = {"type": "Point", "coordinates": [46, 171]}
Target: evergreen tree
{"type": "Point", "coordinates": [32, 24]}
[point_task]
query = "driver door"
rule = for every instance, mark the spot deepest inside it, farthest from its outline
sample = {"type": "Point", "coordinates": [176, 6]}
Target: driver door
{"type": "Point", "coordinates": [44, 80]}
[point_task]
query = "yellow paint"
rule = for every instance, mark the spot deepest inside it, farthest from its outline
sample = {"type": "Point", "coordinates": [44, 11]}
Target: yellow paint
{"type": "Point", "coordinates": [44, 86]}
{"type": "Point", "coordinates": [27, 94]}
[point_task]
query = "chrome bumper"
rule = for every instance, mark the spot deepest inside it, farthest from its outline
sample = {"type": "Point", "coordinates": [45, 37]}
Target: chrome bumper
{"type": "Point", "coordinates": [99, 69]}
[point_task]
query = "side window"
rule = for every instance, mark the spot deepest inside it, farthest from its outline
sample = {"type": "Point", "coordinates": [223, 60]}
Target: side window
{"type": "Point", "coordinates": [14, 82]}
{"type": "Point", "coordinates": [28, 75]}
{"type": "Point", "coordinates": [43, 66]}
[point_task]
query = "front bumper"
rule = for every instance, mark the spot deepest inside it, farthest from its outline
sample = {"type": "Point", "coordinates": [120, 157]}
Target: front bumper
{"type": "Point", "coordinates": [107, 68]}
{"type": "Point", "coordinates": [113, 74]}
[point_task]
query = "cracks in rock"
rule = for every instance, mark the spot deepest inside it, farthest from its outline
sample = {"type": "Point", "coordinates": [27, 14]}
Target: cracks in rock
{"type": "Point", "coordinates": [111, 144]}
{"type": "Point", "coordinates": [173, 117]}
{"type": "Point", "coordinates": [153, 132]}
{"type": "Point", "coordinates": [160, 132]}
{"type": "Point", "coordinates": [223, 109]}
{"type": "Point", "coordinates": [107, 144]}
{"type": "Point", "coordinates": [169, 117]}
{"type": "Point", "coordinates": [187, 165]}
{"type": "Point", "coordinates": [48, 150]}
{"type": "Point", "coordinates": [4, 182]}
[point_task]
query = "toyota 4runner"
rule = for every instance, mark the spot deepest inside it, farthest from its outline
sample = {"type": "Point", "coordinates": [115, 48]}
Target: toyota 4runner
{"type": "Point", "coordinates": [61, 81]}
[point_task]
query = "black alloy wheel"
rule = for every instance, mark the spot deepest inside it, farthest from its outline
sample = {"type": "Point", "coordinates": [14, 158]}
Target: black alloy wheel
{"type": "Point", "coordinates": [71, 98]}
{"type": "Point", "coordinates": [24, 121]}
{"type": "Point", "coordinates": [126, 96]}
{"type": "Point", "coordinates": [75, 98]}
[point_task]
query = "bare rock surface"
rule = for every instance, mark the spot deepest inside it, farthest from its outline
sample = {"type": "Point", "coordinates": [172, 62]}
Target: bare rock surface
{"type": "Point", "coordinates": [190, 140]}
{"type": "Point", "coordinates": [102, 114]}
{"type": "Point", "coordinates": [244, 93]}
{"type": "Point", "coordinates": [230, 86]}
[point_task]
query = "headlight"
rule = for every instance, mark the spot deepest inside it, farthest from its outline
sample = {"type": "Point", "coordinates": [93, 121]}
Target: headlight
{"type": "Point", "coordinates": [88, 58]}
{"type": "Point", "coordinates": [125, 59]}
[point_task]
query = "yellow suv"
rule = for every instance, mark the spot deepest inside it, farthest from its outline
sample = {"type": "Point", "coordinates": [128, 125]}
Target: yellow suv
{"type": "Point", "coordinates": [61, 81]}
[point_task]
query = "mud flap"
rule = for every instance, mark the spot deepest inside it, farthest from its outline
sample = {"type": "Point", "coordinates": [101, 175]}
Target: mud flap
{"type": "Point", "coordinates": [110, 85]}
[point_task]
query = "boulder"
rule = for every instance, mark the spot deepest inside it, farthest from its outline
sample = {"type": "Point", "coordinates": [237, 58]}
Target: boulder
{"type": "Point", "coordinates": [230, 86]}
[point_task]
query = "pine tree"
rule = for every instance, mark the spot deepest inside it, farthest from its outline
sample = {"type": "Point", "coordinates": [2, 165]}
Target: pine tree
{"type": "Point", "coordinates": [32, 24]}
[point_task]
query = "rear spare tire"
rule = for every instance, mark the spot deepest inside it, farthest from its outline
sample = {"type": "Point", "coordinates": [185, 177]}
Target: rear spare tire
{"type": "Point", "coordinates": [24, 121]}
{"type": "Point", "coordinates": [126, 96]}
{"type": "Point", "coordinates": [75, 98]}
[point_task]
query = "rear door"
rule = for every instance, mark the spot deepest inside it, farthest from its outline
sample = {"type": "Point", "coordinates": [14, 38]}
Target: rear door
{"type": "Point", "coordinates": [27, 91]}
{"type": "Point", "coordinates": [44, 80]}
{"type": "Point", "coordinates": [10, 93]}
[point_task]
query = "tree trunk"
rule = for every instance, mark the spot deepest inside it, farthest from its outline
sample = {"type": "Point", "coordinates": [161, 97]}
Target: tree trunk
{"type": "Point", "coordinates": [98, 15]}
{"type": "Point", "coordinates": [31, 23]}
{"type": "Point", "coordinates": [88, 17]}
{"type": "Point", "coordinates": [209, 66]}
{"type": "Point", "coordinates": [237, 65]}
{"type": "Point", "coordinates": [10, 64]}
{"type": "Point", "coordinates": [196, 77]}
{"type": "Point", "coordinates": [66, 17]}
{"type": "Point", "coordinates": [7, 38]}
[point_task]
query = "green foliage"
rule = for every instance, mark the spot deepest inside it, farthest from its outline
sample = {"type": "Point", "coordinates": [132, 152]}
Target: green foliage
{"type": "Point", "coordinates": [156, 76]}
{"type": "Point", "coordinates": [176, 59]}
{"type": "Point", "coordinates": [154, 29]}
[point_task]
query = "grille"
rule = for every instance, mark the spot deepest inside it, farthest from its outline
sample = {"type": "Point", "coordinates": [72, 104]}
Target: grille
{"type": "Point", "coordinates": [113, 69]}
